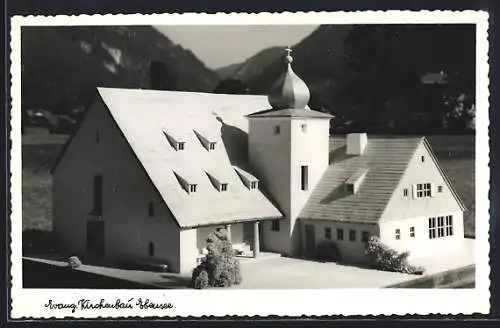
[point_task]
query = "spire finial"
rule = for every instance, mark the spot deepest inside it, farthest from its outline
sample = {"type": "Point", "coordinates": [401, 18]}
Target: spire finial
{"type": "Point", "coordinates": [289, 57]}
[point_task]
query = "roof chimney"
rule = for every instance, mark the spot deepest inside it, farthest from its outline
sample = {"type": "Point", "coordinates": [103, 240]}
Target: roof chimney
{"type": "Point", "coordinates": [356, 143]}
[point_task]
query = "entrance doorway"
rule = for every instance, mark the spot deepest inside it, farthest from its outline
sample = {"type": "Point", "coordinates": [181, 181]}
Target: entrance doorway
{"type": "Point", "coordinates": [310, 240]}
{"type": "Point", "coordinates": [95, 238]}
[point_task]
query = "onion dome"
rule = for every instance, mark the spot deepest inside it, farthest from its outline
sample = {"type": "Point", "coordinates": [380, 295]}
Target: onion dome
{"type": "Point", "coordinates": [289, 91]}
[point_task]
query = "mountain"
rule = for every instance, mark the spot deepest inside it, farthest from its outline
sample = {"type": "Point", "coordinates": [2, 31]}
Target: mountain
{"type": "Point", "coordinates": [256, 65]}
{"type": "Point", "coordinates": [228, 71]}
{"type": "Point", "coordinates": [62, 66]}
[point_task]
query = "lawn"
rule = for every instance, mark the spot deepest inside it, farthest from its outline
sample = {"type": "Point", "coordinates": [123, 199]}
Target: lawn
{"type": "Point", "coordinates": [454, 152]}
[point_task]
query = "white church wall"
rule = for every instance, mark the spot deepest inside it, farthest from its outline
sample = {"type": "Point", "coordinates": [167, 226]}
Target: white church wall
{"type": "Point", "coordinates": [99, 148]}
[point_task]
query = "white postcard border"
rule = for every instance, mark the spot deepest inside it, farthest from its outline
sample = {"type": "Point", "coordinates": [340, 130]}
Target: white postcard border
{"type": "Point", "coordinates": [29, 303]}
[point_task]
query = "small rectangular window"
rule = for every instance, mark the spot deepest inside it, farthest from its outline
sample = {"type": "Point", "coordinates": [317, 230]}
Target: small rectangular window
{"type": "Point", "coordinates": [432, 228]}
{"type": "Point", "coordinates": [449, 225]}
{"type": "Point", "coordinates": [151, 209]}
{"type": "Point", "coordinates": [98, 195]}
{"type": "Point", "coordinates": [349, 187]}
{"type": "Point", "coordinates": [405, 192]}
{"type": "Point", "coordinates": [192, 188]}
{"type": "Point", "coordinates": [352, 235]}
{"type": "Point", "coordinates": [340, 234]}
{"type": "Point", "coordinates": [180, 146]}
{"type": "Point", "coordinates": [412, 232]}
{"type": "Point", "coordinates": [423, 159]}
{"type": "Point", "coordinates": [364, 236]}
{"type": "Point", "coordinates": [398, 234]}
{"type": "Point", "coordinates": [304, 177]}
{"type": "Point", "coordinates": [275, 225]}
{"type": "Point", "coordinates": [277, 129]}
{"type": "Point", "coordinates": [151, 248]}
{"type": "Point", "coordinates": [440, 188]}
{"type": "Point", "coordinates": [304, 127]}
{"type": "Point", "coordinates": [253, 185]}
{"type": "Point", "coordinates": [223, 187]}
{"type": "Point", "coordinates": [97, 137]}
{"type": "Point", "coordinates": [211, 146]}
{"type": "Point", "coordinates": [328, 233]}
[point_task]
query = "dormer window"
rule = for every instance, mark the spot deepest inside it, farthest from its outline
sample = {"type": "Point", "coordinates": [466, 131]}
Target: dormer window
{"type": "Point", "coordinates": [188, 181]}
{"type": "Point", "coordinates": [219, 180]}
{"type": "Point", "coordinates": [207, 140]}
{"type": "Point", "coordinates": [353, 183]}
{"type": "Point", "coordinates": [223, 187]}
{"type": "Point", "coordinates": [254, 184]}
{"type": "Point", "coordinates": [175, 141]}
{"type": "Point", "coordinates": [248, 179]}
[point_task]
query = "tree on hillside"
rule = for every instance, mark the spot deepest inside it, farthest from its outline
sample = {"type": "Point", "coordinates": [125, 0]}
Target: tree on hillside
{"type": "Point", "coordinates": [162, 77]}
{"type": "Point", "coordinates": [231, 86]}
{"type": "Point", "coordinates": [387, 62]}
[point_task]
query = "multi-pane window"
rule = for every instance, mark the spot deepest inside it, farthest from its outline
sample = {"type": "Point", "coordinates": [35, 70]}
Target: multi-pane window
{"type": "Point", "coordinates": [440, 226]}
{"type": "Point", "coordinates": [253, 184]}
{"type": "Point", "coordinates": [449, 225]}
{"type": "Point", "coordinates": [192, 188]}
{"type": "Point", "coordinates": [398, 234]}
{"type": "Point", "coordinates": [328, 233]}
{"type": "Point", "coordinates": [444, 226]}
{"type": "Point", "coordinates": [275, 225]}
{"type": "Point", "coordinates": [440, 188]}
{"type": "Point", "coordinates": [340, 234]}
{"type": "Point", "coordinates": [405, 192]}
{"type": "Point", "coordinates": [412, 232]}
{"type": "Point", "coordinates": [432, 228]}
{"type": "Point", "coordinates": [364, 236]}
{"type": "Point", "coordinates": [211, 146]}
{"type": "Point", "coordinates": [423, 190]}
{"type": "Point", "coordinates": [180, 145]}
{"type": "Point", "coordinates": [223, 187]}
{"type": "Point", "coordinates": [352, 235]}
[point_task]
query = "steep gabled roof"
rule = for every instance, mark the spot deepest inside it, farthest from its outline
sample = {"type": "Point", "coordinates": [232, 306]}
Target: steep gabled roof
{"type": "Point", "coordinates": [144, 115]}
{"type": "Point", "coordinates": [386, 159]}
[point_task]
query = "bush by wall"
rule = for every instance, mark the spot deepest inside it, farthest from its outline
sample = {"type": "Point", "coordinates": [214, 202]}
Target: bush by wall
{"type": "Point", "coordinates": [219, 268]}
{"type": "Point", "coordinates": [328, 251]}
{"type": "Point", "coordinates": [385, 258]}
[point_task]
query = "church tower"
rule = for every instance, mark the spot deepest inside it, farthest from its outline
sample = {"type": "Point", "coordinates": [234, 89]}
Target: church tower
{"type": "Point", "coordinates": [288, 147]}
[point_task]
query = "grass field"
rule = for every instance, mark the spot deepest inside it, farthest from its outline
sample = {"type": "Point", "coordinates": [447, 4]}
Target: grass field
{"type": "Point", "coordinates": [456, 155]}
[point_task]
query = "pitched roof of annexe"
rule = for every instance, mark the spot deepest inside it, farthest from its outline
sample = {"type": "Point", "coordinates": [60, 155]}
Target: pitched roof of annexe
{"type": "Point", "coordinates": [144, 115]}
{"type": "Point", "coordinates": [386, 158]}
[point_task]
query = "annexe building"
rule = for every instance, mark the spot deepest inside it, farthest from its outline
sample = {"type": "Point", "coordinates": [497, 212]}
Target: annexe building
{"type": "Point", "coordinates": [150, 173]}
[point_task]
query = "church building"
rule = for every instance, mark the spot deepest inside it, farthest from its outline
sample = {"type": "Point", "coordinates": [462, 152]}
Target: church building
{"type": "Point", "coordinates": [149, 174]}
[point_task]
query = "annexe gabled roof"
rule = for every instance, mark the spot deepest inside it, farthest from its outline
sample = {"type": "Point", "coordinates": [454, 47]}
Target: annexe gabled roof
{"type": "Point", "coordinates": [386, 159]}
{"type": "Point", "coordinates": [144, 115]}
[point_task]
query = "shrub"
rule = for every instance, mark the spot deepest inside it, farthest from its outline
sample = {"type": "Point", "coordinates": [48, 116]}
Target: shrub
{"type": "Point", "coordinates": [219, 268]}
{"type": "Point", "coordinates": [385, 258]}
{"type": "Point", "coordinates": [328, 251]}
{"type": "Point", "coordinates": [74, 262]}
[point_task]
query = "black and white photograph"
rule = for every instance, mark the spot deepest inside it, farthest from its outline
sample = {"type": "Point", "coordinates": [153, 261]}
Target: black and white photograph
{"type": "Point", "coordinates": [319, 155]}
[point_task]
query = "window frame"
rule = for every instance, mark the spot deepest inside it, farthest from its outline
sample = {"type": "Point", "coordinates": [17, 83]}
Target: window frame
{"type": "Point", "coordinates": [432, 228]}
{"type": "Point", "coordinates": [448, 225]}
{"type": "Point", "coordinates": [277, 129]}
{"type": "Point", "coordinates": [405, 192]}
{"type": "Point", "coordinates": [192, 187]}
{"type": "Point", "coordinates": [275, 225]}
{"type": "Point", "coordinates": [340, 234]}
{"type": "Point", "coordinates": [352, 235]}
{"type": "Point", "coordinates": [181, 145]}
{"type": "Point", "coordinates": [223, 186]}
{"type": "Point", "coordinates": [328, 233]}
{"type": "Point", "coordinates": [424, 190]}
{"type": "Point", "coordinates": [365, 236]}
{"type": "Point", "coordinates": [397, 234]}
{"type": "Point", "coordinates": [304, 177]}
{"type": "Point", "coordinates": [412, 232]}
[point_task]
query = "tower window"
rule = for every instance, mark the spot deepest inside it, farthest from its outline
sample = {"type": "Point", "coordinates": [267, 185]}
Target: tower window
{"type": "Point", "coordinates": [277, 129]}
{"type": "Point", "coordinates": [151, 209]}
{"type": "Point", "coordinates": [304, 177]}
{"type": "Point", "coordinates": [275, 225]}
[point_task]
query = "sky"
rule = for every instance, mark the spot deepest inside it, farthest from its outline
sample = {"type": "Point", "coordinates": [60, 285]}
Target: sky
{"type": "Point", "coordinates": [219, 46]}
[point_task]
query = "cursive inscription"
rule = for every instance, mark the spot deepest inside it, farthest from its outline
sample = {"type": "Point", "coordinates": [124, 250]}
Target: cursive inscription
{"type": "Point", "coordinates": [118, 304]}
